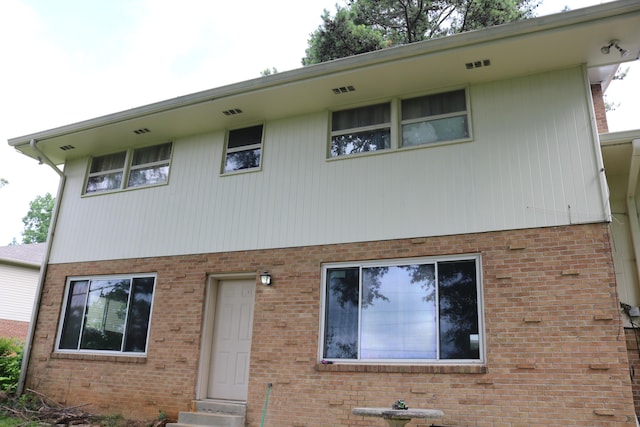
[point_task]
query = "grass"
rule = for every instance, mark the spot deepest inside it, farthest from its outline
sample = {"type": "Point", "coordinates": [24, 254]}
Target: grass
{"type": "Point", "coordinates": [13, 422]}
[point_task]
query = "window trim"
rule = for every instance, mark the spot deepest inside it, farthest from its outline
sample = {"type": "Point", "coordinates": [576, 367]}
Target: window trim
{"type": "Point", "coordinates": [63, 315]}
{"type": "Point", "coordinates": [126, 170]}
{"type": "Point", "coordinates": [405, 261]}
{"type": "Point", "coordinates": [397, 122]}
{"type": "Point", "coordinates": [226, 150]}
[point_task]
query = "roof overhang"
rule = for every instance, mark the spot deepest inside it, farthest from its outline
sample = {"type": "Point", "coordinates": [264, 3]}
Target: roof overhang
{"type": "Point", "coordinates": [521, 48]}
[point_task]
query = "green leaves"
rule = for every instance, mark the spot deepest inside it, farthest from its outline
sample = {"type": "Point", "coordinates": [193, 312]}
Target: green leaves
{"type": "Point", "coordinates": [36, 222]}
{"type": "Point", "coordinates": [341, 36]}
{"type": "Point", "coordinates": [11, 351]}
{"type": "Point", "coordinates": [368, 25]}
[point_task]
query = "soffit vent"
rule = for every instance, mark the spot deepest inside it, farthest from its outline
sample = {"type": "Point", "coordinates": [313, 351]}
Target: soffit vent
{"type": "Point", "coordinates": [141, 131]}
{"type": "Point", "coordinates": [67, 147]}
{"type": "Point", "coordinates": [232, 112]}
{"type": "Point", "coordinates": [343, 89]}
{"type": "Point", "coordinates": [477, 64]}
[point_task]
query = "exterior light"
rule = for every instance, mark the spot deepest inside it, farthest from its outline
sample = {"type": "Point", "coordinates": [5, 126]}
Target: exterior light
{"type": "Point", "coordinates": [265, 278]}
{"type": "Point", "coordinates": [615, 43]}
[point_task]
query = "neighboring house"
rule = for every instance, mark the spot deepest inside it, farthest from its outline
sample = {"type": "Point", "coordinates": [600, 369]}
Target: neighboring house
{"type": "Point", "coordinates": [434, 219]}
{"type": "Point", "coordinates": [19, 272]}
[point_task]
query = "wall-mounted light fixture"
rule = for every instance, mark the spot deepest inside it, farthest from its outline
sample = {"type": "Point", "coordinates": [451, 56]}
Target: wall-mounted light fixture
{"type": "Point", "coordinates": [614, 43]}
{"type": "Point", "coordinates": [265, 278]}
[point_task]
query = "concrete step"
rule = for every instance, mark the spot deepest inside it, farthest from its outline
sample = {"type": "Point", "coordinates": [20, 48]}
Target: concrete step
{"type": "Point", "coordinates": [188, 419]}
{"type": "Point", "coordinates": [220, 407]}
{"type": "Point", "coordinates": [212, 414]}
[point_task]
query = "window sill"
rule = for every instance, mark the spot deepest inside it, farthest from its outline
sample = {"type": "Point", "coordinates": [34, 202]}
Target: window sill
{"type": "Point", "coordinates": [100, 357]}
{"type": "Point", "coordinates": [409, 369]}
{"type": "Point", "coordinates": [123, 190]}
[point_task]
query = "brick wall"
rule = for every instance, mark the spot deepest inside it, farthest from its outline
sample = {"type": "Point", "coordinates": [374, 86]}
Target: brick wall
{"type": "Point", "coordinates": [14, 329]}
{"type": "Point", "coordinates": [598, 104]}
{"type": "Point", "coordinates": [556, 350]}
{"type": "Point", "coordinates": [633, 348]}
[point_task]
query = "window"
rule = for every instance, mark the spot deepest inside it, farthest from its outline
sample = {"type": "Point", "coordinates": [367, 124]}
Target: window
{"type": "Point", "coordinates": [244, 149]}
{"type": "Point", "coordinates": [148, 166]}
{"type": "Point", "coordinates": [434, 118]}
{"type": "Point", "coordinates": [429, 119]}
{"type": "Point", "coordinates": [360, 130]}
{"type": "Point", "coordinates": [106, 172]}
{"type": "Point", "coordinates": [408, 311]}
{"type": "Point", "coordinates": [107, 314]}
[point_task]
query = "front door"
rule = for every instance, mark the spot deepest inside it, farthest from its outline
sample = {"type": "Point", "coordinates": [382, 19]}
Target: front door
{"type": "Point", "coordinates": [233, 320]}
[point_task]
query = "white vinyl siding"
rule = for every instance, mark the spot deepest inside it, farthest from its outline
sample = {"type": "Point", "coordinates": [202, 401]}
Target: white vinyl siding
{"type": "Point", "coordinates": [17, 291]}
{"type": "Point", "coordinates": [532, 163]}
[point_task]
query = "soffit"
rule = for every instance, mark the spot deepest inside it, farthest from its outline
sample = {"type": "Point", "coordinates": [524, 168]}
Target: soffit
{"type": "Point", "coordinates": [528, 47]}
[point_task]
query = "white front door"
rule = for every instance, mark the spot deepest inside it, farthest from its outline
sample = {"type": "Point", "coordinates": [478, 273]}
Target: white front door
{"type": "Point", "coordinates": [233, 320]}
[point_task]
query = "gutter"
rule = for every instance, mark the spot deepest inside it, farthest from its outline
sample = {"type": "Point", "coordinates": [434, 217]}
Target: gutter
{"type": "Point", "coordinates": [43, 268]}
{"type": "Point", "coordinates": [632, 209]}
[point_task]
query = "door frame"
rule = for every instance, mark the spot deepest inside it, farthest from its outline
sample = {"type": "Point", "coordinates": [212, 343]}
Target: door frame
{"type": "Point", "coordinates": [206, 338]}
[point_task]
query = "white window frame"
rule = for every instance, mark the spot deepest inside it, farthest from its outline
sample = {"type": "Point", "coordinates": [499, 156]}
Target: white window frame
{"type": "Point", "coordinates": [242, 148]}
{"type": "Point", "coordinates": [398, 262]}
{"type": "Point", "coordinates": [361, 129]}
{"type": "Point", "coordinates": [63, 316]}
{"type": "Point", "coordinates": [397, 122]}
{"type": "Point", "coordinates": [435, 117]}
{"type": "Point", "coordinates": [126, 170]}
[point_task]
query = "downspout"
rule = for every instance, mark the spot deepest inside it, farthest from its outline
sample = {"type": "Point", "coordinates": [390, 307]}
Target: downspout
{"type": "Point", "coordinates": [43, 267]}
{"type": "Point", "coordinates": [632, 209]}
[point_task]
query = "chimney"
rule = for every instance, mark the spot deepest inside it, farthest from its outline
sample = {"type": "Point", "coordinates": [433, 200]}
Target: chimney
{"type": "Point", "coordinates": [598, 105]}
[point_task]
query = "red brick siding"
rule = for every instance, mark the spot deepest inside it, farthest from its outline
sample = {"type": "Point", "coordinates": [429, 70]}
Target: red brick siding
{"type": "Point", "coordinates": [556, 351]}
{"type": "Point", "coordinates": [14, 329]}
{"type": "Point", "coordinates": [633, 348]}
{"type": "Point", "coordinates": [600, 110]}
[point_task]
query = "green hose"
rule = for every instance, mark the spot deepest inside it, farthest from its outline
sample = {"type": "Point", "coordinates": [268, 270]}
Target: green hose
{"type": "Point", "coordinates": [266, 401]}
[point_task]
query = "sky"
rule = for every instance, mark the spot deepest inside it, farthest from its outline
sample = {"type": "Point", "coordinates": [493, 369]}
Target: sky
{"type": "Point", "coordinates": [66, 61]}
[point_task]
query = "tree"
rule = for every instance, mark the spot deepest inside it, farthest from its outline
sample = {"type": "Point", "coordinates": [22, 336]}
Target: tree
{"type": "Point", "coordinates": [268, 71]}
{"type": "Point", "coordinates": [36, 222]}
{"type": "Point", "coordinates": [341, 36]}
{"type": "Point", "coordinates": [366, 25]}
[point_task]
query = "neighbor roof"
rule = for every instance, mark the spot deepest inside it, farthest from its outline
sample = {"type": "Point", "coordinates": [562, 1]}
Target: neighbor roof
{"type": "Point", "coordinates": [29, 255]}
{"type": "Point", "coordinates": [520, 48]}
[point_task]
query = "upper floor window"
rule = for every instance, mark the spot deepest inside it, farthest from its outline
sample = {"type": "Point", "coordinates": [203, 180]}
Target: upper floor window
{"type": "Point", "coordinates": [429, 119]}
{"type": "Point", "coordinates": [361, 129]}
{"type": "Point", "coordinates": [107, 314]}
{"type": "Point", "coordinates": [132, 168]}
{"type": "Point", "coordinates": [244, 149]}
{"type": "Point", "coordinates": [424, 310]}
{"type": "Point", "coordinates": [434, 118]}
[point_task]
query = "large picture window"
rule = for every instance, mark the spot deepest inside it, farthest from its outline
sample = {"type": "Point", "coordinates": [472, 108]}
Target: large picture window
{"type": "Point", "coordinates": [408, 311]}
{"type": "Point", "coordinates": [127, 169]}
{"type": "Point", "coordinates": [107, 314]}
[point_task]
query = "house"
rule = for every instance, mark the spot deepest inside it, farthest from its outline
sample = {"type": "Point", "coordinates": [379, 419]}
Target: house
{"type": "Point", "coordinates": [432, 222]}
{"type": "Point", "coordinates": [19, 272]}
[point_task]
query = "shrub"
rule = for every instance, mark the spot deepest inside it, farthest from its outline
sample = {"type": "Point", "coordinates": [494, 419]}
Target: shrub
{"type": "Point", "coordinates": [11, 351]}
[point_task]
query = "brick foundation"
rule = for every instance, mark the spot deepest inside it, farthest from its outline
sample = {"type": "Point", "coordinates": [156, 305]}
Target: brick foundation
{"type": "Point", "coordinates": [14, 329]}
{"type": "Point", "coordinates": [633, 349]}
{"type": "Point", "coordinates": [556, 351]}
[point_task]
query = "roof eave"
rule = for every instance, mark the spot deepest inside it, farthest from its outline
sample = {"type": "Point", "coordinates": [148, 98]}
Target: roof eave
{"type": "Point", "coordinates": [425, 48]}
